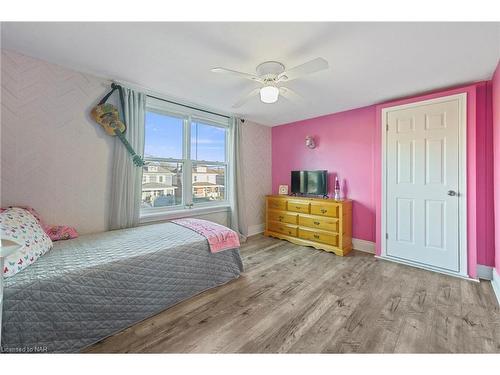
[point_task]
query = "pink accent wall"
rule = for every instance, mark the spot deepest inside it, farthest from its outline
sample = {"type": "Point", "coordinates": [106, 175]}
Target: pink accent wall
{"type": "Point", "coordinates": [495, 95]}
{"type": "Point", "coordinates": [344, 146]}
{"type": "Point", "coordinates": [349, 144]}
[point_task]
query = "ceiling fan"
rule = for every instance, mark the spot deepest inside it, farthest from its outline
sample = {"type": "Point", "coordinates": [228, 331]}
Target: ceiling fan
{"type": "Point", "coordinates": [270, 75]}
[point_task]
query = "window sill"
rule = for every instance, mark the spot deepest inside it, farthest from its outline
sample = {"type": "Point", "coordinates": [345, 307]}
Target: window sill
{"type": "Point", "coordinates": [162, 215]}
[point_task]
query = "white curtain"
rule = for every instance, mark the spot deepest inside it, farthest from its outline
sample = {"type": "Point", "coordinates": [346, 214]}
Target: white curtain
{"type": "Point", "coordinates": [237, 198]}
{"type": "Point", "coordinates": [126, 177]}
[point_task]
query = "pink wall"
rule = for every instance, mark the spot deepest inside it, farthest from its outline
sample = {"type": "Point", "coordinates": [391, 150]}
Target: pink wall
{"type": "Point", "coordinates": [495, 94]}
{"type": "Point", "coordinates": [344, 146]}
{"type": "Point", "coordinates": [349, 144]}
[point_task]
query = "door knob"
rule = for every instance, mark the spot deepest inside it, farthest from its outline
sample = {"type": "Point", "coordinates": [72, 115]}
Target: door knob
{"type": "Point", "coordinates": [451, 193]}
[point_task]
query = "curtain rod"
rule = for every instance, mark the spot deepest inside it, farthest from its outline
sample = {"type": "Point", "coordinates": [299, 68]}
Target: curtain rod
{"type": "Point", "coordinates": [187, 106]}
{"type": "Point", "coordinates": [145, 90]}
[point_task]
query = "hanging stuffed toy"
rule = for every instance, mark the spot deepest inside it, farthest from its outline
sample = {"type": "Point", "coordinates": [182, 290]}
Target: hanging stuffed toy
{"type": "Point", "coordinates": [107, 116]}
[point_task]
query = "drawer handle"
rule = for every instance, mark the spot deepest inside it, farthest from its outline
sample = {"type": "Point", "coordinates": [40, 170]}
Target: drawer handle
{"type": "Point", "coordinates": [289, 232]}
{"type": "Point", "coordinates": [323, 211]}
{"type": "Point", "coordinates": [316, 236]}
{"type": "Point", "coordinates": [280, 218]}
{"type": "Point", "coordinates": [316, 222]}
{"type": "Point", "coordinates": [298, 207]}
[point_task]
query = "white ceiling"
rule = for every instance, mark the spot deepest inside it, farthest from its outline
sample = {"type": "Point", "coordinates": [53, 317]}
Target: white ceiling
{"type": "Point", "coordinates": [369, 62]}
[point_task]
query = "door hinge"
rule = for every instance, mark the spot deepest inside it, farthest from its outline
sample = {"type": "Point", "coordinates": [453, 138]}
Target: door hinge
{"type": "Point", "coordinates": [387, 236]}
{"type": "Point", "coordinates": [386, 127]}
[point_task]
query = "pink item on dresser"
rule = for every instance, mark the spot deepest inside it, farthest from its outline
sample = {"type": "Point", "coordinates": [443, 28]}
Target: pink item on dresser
{"type": "Point", "coordinates": [218, 236]}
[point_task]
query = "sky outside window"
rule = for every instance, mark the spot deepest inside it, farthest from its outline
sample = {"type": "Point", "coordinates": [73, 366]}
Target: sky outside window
{"type": "Point", "coordinates": [208, 142]}
{"type": "Point", "coordinates": [163, 138]}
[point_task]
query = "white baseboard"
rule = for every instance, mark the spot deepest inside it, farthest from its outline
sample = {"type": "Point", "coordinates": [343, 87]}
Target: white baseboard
{"type": "Point", "coordinates": [495, 283]}
{"type": "Point", "coordinates": [256, 229]}
{"type": "Point", "coordinates": [484, 272]}
{"type": "Point", "coordinates": [363, 245]}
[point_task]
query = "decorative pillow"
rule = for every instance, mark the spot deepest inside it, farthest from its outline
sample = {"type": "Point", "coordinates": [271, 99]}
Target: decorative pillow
{"type": "Point", "coordinates": [19, 225]}
{"type": "Point", "coordinates": [60, 232]}
{"type": "Point", "coordinates": [55, 232]}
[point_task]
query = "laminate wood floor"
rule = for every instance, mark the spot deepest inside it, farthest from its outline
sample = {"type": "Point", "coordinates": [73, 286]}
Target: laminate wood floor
{"type": "Point", "coordinates": [294, 299]}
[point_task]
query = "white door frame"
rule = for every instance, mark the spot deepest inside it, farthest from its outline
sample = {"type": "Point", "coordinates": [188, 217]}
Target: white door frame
{"type": "Point", "coordinates": [462, 183]}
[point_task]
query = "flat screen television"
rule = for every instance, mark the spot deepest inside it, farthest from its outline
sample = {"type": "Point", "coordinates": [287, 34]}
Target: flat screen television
{"type": "Point", "coordinates": [309, 182]}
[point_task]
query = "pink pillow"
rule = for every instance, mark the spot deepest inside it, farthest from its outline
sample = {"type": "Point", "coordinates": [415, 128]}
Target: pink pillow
{"type": "Point", "coordinates": [55, 232]}
{"type": "Point", "coordinates": [60, 232]}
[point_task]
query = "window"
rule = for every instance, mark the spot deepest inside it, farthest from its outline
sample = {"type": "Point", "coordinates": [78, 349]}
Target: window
{"type": "Point", "coordinates": [209, 182]}
{"type": "Point", "coordinates": [208, 142]}
{"type": "Point", "coordinates": [186, 158]}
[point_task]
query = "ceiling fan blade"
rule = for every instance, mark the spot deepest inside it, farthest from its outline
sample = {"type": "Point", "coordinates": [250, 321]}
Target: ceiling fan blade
{"type": "Point", "coordinates": [291, 95]}
{"type": "Point", "coordinates": [246, 98]}
{"type": "Point", "coordinates": [237, 74]}
{"type": "Point", "coordinates": [309, 67]}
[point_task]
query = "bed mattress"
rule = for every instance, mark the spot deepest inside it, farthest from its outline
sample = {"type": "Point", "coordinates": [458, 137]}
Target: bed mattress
{"type": "Point", "coordinates": [88, 288]}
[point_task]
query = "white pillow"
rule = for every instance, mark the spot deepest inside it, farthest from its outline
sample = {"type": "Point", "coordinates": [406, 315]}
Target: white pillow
{"type": "Point", "coordinates": [19, 225]}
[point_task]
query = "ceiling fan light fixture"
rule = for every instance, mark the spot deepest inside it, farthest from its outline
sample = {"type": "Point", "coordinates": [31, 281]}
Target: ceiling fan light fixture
{"type": "Point", "coordinates": [269, 94]}
{"type": "Point", "coordinates": [271, 74]}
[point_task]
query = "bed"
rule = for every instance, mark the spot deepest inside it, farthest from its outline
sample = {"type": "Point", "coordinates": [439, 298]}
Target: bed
{"type": "Point", "coordinates": [88, 288]}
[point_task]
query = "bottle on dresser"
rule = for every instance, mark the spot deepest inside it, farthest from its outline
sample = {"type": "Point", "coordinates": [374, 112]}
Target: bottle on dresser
{"type": "Point", "coordinates": [337, 196]}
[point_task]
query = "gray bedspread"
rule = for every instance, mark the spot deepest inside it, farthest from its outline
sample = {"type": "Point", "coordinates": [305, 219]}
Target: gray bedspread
{"type": "Point", "coordinates": [88, 288]}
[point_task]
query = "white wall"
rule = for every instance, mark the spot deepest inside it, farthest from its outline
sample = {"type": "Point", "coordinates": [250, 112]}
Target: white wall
{"type": "Point", "coordinates": [257, 172]}
{"type": "Point", "coordinates": [55, 159]}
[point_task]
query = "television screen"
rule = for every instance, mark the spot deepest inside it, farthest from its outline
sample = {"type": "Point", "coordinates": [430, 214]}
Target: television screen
{"type": "Point", "coordinates": [298, 182]}
{"type": "Point", "coordinates": [309, 182]}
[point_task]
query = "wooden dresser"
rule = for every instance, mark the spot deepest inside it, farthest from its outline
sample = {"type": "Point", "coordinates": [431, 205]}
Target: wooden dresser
{"type": "Point", "coordinates": [324, 224]}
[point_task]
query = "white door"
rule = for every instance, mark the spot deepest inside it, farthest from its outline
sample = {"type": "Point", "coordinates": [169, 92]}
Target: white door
{"type": "Point", "coordinates": [422, 184]}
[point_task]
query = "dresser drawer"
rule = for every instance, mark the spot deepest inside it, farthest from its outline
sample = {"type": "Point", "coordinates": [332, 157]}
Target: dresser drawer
{"type": "Point", "coordinates": [325, 209]}
{"type": "Point", "coordinates": [276, 204]}
{"type": "Point", "coordinates": [282, 217]}
{"type": "Point", "coordinates": [289, 230]}
{"type": "Point", "coordinates": [325, 223]}
{"type": "Point", "coordinates": [298, 206]}
{"type": "Point", "coordinates": [317, 236]}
